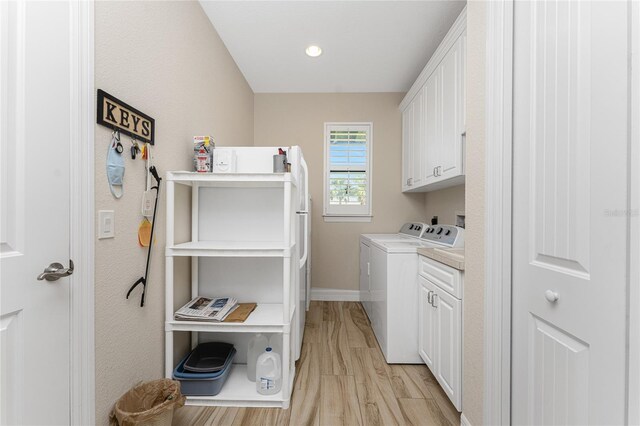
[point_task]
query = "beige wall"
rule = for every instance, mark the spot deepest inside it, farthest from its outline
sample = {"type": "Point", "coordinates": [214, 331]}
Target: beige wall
{"type": "Point", "coordinates": [473, 380]}
{"type": "Point", "coordinates": [165, 59]}
{"type": "Point", "coordinates": [445, 204]}
{"type": "Point", "coordinates": [298, 119]}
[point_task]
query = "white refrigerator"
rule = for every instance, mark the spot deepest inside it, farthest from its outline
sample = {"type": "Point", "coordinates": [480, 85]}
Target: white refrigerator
{"type": "Point", "coordinates": [260, 160]}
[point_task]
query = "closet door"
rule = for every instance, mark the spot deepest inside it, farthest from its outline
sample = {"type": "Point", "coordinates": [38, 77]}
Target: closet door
{"type": "Point", "coordinates": [570, 230]}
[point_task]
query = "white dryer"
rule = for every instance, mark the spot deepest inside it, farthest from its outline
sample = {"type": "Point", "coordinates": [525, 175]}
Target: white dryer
{"type": "Point", "coordinates": [392, 304]}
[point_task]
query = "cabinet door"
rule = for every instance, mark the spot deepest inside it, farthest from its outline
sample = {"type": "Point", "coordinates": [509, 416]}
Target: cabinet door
{"type": "Point", "coordinates": [417, 140]}
{"type": "Point", "coordinates": [426, 323]}
{"type": "Point", "coordinates": [407, 145]}
{"type": "Point", "coordinates": [451, 84]}
{"type": "Point", "coordinates": [364, 275]}
{"type": "Point", "coordinates": [448, 355]}
{"type": "Point", "coordinates": [432, 127]}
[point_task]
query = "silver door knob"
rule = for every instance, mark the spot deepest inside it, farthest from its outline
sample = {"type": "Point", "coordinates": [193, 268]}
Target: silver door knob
{"type": "Point", "coordinates": [55, 271]}
{"type": "Point", "coordinates": [551, 296]}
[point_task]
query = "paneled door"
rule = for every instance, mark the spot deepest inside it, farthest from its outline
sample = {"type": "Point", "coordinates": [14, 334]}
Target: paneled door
{"type": "Point", "coordinates": [452, 105]}
{"type": "Point", "coordinates": [570, 228]}
{"type": "Point", "coordinates": [35, 120]}
{"type": "Point", "coordinates": [426, 323]}
{"type": "Point", "coordinates": [407, 147]}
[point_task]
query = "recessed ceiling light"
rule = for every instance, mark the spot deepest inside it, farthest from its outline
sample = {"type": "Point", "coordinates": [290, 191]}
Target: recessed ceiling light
{"type": "Point", "coordinates": [313, 51]}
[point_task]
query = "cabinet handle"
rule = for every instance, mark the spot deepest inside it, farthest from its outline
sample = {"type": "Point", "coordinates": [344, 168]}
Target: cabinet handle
{"type": "Point", "coordinates": [410, 181]}
{"type": "Point", "coordinates": [434, 172]}
{"type": "Point", "coordinates": [429, 296]}
{"type": "Point", "coordinates": [433, 300]}
{"type": "Point", "coordinates": [368, 268]}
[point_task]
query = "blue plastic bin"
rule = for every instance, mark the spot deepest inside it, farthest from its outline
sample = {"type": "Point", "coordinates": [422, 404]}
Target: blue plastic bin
{"type": "Point", "coordinates": [202, 384]}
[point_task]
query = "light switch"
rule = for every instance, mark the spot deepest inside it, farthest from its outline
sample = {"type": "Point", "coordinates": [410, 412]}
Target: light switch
{"type": "Point", "coordinates": [106, 224]}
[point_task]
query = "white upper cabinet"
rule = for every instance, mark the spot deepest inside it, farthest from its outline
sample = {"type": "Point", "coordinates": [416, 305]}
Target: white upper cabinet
{"type": "Point", "coordinates": [433, 129]}
{"type": "Point", "coordinates": [417, 145]}
{"type": "Point", "coordinates": [434, 119]}
{"type": "Point", "coordinates": [407, 142]}
{"type": "Point", "coordinates": [451, 151]}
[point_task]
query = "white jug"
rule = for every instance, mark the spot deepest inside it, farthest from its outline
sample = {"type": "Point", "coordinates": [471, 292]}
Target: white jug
{"type": "Point", "coordinates": [256, 347]}
{"type": "Point", "coordinates": [268, 373]}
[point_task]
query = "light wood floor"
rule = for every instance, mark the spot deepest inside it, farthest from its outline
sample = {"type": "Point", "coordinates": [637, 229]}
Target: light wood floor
{"type": "Point", "coordinates": [342, 379]}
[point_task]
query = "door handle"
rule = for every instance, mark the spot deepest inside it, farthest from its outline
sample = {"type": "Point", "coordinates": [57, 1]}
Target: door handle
{"type": "Point", "coordinates": [551, 296]}
{"type": "Point", "coordinates": [433, 300]}
{"type": "Point", "coordinates": [55, 271]}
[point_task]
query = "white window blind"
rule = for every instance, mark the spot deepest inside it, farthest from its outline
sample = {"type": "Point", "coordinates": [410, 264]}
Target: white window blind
{"type": "Point", "coordinates": [347, 169]}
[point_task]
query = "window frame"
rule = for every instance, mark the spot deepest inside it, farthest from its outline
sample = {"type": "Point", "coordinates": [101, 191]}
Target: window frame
{"type": "Point", "coordinates": [350, 213]}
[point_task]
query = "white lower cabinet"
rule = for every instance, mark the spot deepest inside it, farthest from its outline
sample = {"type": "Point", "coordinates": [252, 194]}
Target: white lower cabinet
{"type": "Point", "coordinates": [440, 337]}
{"type": "Point", "coordinates": [427, 323]}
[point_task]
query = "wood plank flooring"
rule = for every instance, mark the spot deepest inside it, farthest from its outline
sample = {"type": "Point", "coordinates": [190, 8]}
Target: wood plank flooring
{"type": "Point", "coordinates": [343, 379]}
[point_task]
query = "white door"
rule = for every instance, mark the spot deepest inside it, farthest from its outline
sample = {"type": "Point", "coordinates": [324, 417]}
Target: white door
{"type": "Point", "coordinates": [451, 82]}
{"type": "Point", "coordinates": [426, 323]}
{"type": "Point", "coordinates": [432, 126]}
{"type": "Point", "coordinates": [569, 244]}
{"type": "Point", "coordinates": [407, 146]}
{"type": "Point", "coordinates": [35, 123]}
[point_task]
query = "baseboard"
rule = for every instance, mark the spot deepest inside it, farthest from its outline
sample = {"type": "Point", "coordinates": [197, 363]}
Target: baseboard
{"type": "Point", "coordinates": [464, 421]}
{"type": "Point", "coordinates": [335, 294]}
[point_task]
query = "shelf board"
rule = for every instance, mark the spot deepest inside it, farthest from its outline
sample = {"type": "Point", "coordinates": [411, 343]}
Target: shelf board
{"type": "Point", "coordinates": [266, 318]}
{"type": "Point", "coordinates": [238, 391]}
{"type": "Point", "coordinates": [250, 180]}
{"type": "Point", "coordinates": [230, 249]}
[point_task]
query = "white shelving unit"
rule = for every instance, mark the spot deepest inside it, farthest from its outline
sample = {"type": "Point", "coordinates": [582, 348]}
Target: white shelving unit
{"type": "Point", "coordinates": [242, 244]}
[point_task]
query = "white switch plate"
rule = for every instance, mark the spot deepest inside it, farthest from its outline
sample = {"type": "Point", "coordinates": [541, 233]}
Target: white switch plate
{"type": "Point", "coordinates": [106, 224]}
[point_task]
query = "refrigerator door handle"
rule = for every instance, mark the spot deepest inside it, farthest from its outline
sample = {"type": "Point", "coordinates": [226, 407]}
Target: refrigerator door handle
{"type": "Point", "coordinates": [305, 170]}
{"type": "Point", "coordinates": [303, 259]}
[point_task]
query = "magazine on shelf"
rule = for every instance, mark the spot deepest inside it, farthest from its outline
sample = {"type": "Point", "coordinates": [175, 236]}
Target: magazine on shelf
{"type": "Point", "coordinates": [207, 309]}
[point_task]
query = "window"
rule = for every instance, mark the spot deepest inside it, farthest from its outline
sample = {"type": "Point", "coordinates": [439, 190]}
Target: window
{"type": "Point", "coordinates": [347, 187]}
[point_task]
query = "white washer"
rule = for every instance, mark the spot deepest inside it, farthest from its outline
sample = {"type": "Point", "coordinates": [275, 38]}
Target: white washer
{"type": "Point", "coordinates": [411, 231]}
{"type": "Point", "coordinates": [392, 304]}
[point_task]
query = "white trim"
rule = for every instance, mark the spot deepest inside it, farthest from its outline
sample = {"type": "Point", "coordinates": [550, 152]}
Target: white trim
{"type": "Point", "coordinates": [634, 223]}
{"type": "Point", "coordinates": [335, 294]}
{"type": "Point", "coordinates": [464, 421]}
{"type": "Point", "coordinates": [458, 28]}
{"type": "Point", "coordinates": [498, 165]}
{"type": "Point", "coordinates": [82, 380]}
{"type": "Point", "coordinates": [348, 210]}
{"type": "Point", "coordinates": [338, 218]}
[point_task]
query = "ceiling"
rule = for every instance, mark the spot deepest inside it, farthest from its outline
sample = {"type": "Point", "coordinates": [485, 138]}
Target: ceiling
{"type": "Point", "coordinates": [368, 46]}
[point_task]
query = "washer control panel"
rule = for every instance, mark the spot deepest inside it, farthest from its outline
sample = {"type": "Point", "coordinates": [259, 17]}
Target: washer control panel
{"type": "Point", "coordinates": [449, 235]}
{"type": "Point", "coordinates": [415, 229]}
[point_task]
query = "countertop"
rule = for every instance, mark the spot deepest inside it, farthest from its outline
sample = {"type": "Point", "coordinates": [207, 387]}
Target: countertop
{"type": "Point", "coordinates": [450, 257]}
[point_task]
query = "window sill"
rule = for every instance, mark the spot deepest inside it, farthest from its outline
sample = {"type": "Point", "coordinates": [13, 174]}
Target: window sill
{"type": "Point", "coordinates": [347, 218]}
